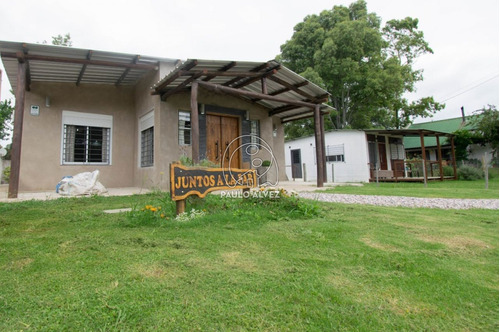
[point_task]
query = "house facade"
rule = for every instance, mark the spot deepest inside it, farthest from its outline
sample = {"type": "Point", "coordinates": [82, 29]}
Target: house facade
{"type": "Point", "coordinates": [130, 116]}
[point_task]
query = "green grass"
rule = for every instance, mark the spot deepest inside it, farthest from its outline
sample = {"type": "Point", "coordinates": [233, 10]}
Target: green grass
{"type": "Point", "coordinates": [445, 189]}
{"type": "Point", "coordinates": [246, 265]}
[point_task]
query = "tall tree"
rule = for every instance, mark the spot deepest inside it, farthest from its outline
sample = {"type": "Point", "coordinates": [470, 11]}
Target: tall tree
{"type": "Point", "coordinates": [366, 68]}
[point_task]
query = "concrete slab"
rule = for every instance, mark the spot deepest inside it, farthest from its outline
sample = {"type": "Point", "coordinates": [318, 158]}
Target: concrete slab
{"type": "Point", "coordinates": [47, 195]}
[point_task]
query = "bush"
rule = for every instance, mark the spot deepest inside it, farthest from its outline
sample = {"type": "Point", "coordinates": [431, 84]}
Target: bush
{"type": "Point", "coordinates": [448, 171]}
{"type": "Point", "coordinates": [470, 173]}
{"type": "Point", "coordinates": [6, 174]}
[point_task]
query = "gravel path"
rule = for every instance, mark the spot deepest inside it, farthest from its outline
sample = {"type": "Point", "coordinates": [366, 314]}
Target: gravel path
{"type": "Point", "coordinates": [414, 202]}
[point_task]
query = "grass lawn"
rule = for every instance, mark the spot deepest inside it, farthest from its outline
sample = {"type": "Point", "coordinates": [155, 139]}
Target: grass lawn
{"type": "Point", "coordinates": [445, 189]}
{"type": "Point", "coordinates": [245, 265]}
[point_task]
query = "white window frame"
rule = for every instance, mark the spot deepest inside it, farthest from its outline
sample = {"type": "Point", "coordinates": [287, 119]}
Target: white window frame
{"type": "Point", "coordinates": [145, 122]}
{"type": "Point", "coordinates": [72, 118]}
{"type": "Point", "coordinates": [184, 128]}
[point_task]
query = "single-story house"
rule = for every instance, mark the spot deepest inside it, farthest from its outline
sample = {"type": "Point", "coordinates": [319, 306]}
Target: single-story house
{"type": "Point", "coordinates": [475, 151]}
{"type": "Point", "coordinates": [361, 156]}
{"type": "Point", "coordinates": [130, 116]}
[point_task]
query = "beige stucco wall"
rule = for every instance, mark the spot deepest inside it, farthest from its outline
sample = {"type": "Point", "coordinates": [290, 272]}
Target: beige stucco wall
{"type": "Point", "coordinates": [41, 167]}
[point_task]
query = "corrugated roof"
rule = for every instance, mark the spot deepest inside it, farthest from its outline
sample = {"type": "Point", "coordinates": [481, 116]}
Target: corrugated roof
{"type": "Point", "coordinates": [281, 83]}
{"type": "Point", "coordinates": [293, 95]}
{"type": "Point", "coordinates": [49, 63]}
{"type": "Point", "coordinates": [446, 126]}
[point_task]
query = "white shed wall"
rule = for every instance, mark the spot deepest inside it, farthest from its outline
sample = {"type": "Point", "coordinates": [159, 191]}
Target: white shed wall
{"type": "Point", "coordinates": [354, 168]}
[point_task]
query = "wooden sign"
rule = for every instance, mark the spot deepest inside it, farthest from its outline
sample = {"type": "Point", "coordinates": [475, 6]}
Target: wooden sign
{"type": "Point", "coordinates": [187, 181]}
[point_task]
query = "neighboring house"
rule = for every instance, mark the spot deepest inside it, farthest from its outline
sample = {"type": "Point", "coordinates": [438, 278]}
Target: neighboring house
{"type": "Point", "coordinates": [412, 144]}
{"type": "Point", "coordinates": [356, 156]}
{"type": "Point", "coordinates": [130, 116]}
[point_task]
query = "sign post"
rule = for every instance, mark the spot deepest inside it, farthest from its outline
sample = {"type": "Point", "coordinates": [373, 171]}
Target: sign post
{"type": "Point", "coordinates": [187, 181]}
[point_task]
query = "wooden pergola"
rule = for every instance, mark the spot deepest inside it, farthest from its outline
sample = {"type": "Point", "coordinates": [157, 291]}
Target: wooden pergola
{"type": "Point", "coordinates": [286, 94]}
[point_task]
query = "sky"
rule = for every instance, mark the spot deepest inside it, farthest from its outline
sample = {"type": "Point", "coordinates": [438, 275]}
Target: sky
{"type": "Point", "coordinates": [464, 35]}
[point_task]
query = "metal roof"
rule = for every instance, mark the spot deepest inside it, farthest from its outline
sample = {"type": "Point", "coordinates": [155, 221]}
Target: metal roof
{"type": "Point", "coordinates": [287, 94]}
{"type": "Point", "coordinates": [49, 63]}
{"type": "Point", "coordinates": [281, 83]}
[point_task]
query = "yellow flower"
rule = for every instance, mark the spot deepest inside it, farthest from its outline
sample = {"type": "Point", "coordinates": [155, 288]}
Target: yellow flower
{"type": "Point", "coordinates": [153, 209]}
{"type": "Point", "coordinates": [162, 216]}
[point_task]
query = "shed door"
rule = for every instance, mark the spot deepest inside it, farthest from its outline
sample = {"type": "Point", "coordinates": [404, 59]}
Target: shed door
{"type": "Point", "coordinates": [296, 164]}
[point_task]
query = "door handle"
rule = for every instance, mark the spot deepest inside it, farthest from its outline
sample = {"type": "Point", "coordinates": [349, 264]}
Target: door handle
{"type": "Point", "coordinates": [217, 151]}
{"type": "Point", "coordinates": [227, 152]}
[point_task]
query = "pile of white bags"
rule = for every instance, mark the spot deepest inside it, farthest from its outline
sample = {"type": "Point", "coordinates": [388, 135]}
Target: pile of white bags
{"type": "Point", "coordinates": [86, 183]}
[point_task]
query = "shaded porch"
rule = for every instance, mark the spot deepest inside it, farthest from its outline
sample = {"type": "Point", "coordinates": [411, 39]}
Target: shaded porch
{"type": "Point", "coordinates": [388, 164]}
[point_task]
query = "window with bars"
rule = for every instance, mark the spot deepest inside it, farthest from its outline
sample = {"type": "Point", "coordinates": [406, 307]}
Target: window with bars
{"type": "Point", "coordinates": [86, 145]}
{"type": "Point", "coordinates": [184, 128]}
{"type": "Point", "coordinates": [147, 147]}
{"type": "Point", "coordinates": [335, 153]}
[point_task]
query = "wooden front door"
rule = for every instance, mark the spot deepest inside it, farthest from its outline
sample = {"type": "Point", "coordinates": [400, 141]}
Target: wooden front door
{"type": "Point", "coordinates": [382, 156]}
{"type": "Point", "coordinates": [221, 131]}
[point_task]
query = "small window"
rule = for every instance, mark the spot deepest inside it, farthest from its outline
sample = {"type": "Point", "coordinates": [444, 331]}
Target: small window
{"type": "Point", "coordinates": [147, 147]}
{"type": "Point", "coordinates": [254, 132]}
{"type": "Point", "coordinates": [335, 153]}
{"type": "Point", "coordinates": [85, 144]}
{"type": "Point", "coordinates": [184, 128]}
{"type": "Point", "coordinates": [146, 139]}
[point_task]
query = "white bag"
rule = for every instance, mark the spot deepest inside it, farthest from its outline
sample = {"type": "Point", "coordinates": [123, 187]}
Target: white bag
{"type": "Point", "coordinates": [86, 183]}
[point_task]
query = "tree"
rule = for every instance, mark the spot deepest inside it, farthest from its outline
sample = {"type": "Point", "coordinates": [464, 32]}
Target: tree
{"type": "Point", "coordinates": [367, 69]}
{"type": "Point", "coordinates": [61, 40]}
{"type": "Point", "coordinates": [485, 122]}
{"type": "Point", "coordinates": [6, 111]}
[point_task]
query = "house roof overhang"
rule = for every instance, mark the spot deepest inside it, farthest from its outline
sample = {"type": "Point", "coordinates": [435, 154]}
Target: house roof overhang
{"type": "Point", "coordinates": [284, 93]}
{"type": "Point", "coordinates": [49, 63]}
{"type": "Point", "coordinates": [408, 132]}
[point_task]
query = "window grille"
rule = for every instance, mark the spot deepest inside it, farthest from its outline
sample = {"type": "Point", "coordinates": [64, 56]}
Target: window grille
{"type": "Point", "coordinates": [86, 145]}
{"type": "Point", "coordinates": [255, 133]}
{"type": "Point", "coordinates": [147, 147]}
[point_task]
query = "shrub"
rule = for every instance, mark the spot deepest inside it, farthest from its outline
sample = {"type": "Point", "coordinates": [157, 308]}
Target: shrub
{"type": "Point", "coordinates": [469, 173]}
{"type": "Point", "coordinates": [6, 174]}
{"type": "Point", "coordinates": [448, 171]}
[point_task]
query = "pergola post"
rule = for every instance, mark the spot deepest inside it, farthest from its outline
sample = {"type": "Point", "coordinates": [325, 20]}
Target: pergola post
{"type": "Point", "coordinates": [319, 147]}
{"type": "Point", "coordinates": [195, 126]}
{"type": "Point", "coordinates": [18, 130]}
{"type": "Point", "coordinates": [453, 158]}
{"type": "Point", "coordinates": [424, 158]}
{"type": "Point", "coordinates": [440, 158]}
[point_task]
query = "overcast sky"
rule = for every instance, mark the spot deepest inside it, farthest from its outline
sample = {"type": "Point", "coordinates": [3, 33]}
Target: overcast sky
{"type": "Point", "coordinates": [463, 71]}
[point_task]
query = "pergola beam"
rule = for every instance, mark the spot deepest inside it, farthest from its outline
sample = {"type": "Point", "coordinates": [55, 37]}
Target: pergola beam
{"type": "Point", "coordinates": [84, 68]}
{"type": "Point", "coordinates": [126, 71]}
{"type": "Point", "coordinates": [249, 94]}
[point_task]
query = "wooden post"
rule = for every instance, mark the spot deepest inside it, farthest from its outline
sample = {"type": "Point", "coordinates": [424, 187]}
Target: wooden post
{"type": "Point", "coordinates": [195, 128]}
{"type": "Point", "coordinates": [180, 206]}
{"type": "Point", "coordinates": [485, 167]}
{"type": "Point", "coordinates": [18, 130]}
{"type": "Point", "coordinates": [319, 148]}
{"type": "Point", "coordinates": [454, 160]}
{"type": "Point", "coordinates": [424, 159]}
{"type": "Point", "coordinates": [323, 146]}
{"type": "Point", "coordinates": [304, 171]}
{"type": "Point", "coordinates": [440, 158]}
